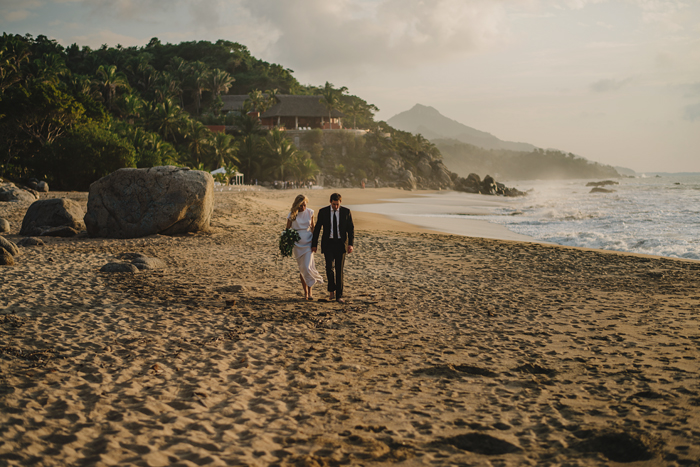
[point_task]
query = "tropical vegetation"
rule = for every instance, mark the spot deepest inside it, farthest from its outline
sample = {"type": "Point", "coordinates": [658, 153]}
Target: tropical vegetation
{"type": "Point", "coordinates": [70, 115]}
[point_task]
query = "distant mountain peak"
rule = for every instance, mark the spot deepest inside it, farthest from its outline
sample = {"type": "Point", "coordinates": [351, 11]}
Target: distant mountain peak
{"type": "Point", "coordinates": [430, 123]}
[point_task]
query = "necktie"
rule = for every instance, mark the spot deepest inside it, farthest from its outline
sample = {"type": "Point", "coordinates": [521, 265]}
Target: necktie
{"type": "Point", "coordinates": [335, 225]}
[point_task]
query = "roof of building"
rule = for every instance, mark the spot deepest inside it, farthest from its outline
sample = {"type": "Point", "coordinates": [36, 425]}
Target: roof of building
{"type": "Point", "coordinates": [286, 106]}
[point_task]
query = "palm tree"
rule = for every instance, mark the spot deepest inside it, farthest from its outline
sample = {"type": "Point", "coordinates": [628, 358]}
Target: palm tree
{"type": "Point", "coordinates": [220, 82]}
{"type": "Point", "coordinates": [331, 98]}
{"type": "Point", "coordinates": [166, 119]}
{"type": "Point", "coordinates": [12, 54]}
{"type": "Point", "coordinates": [360, 108]}
{"type": "Point", "coordinates": [196, 137]}
{"type": "Point", "coordinates": [108, 81]}
{"type": "Point", "coordinates": [222, 149]}
{"type": "Point", "coordinates": [179, 68]}
{"type": "Point", "coordinates": [250, 150]}
{"type": "Point", "coordinates": [306, 169]}
{"type": "Point", "coordinates": [247, 124]}
{"type": "Point", "coordinates": [197, 83]}
{"type": "Point", "coordinates": [131, 107]}
{"type": "Point", "coordinates": [281, 154]}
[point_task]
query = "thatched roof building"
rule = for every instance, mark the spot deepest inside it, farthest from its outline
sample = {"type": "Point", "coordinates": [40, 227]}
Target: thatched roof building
{"type": "Point", "coordinates": [292, 112]}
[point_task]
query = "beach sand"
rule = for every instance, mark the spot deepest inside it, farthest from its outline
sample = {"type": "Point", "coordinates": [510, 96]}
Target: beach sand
{"type": "Point", "coordinates": [450, 350]}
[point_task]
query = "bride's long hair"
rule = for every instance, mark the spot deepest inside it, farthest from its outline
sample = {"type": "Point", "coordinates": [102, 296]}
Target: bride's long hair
{"type": "Point", "coordinates": [295, 205]}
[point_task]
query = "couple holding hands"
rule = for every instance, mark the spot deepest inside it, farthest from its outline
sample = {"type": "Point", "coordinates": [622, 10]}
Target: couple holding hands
{"type": "Point", "coordinates": [338, 235]}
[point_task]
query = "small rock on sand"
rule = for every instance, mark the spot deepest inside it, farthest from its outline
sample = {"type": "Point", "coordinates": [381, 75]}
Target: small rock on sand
{"type": "Point", "coordinates": [6, 258]}
{"type": "Point", "coordinates": [4, 226]}
{"type": "Point", "coordinates": [148, 263]}
{"type": "Point", "coordinates": [9, 246]}
{"type": "Point", "coordinates": [119, 267]}
{"type": "Point", "coordinates": [31, 241]}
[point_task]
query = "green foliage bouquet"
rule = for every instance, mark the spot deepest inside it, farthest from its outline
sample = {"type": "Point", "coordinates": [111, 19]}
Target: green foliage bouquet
{"type": "Point", "coordinates": [287, 240]}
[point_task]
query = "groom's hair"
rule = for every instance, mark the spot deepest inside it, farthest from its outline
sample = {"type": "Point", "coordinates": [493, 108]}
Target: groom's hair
{"type": "Point", "coordinates": [336, 197]}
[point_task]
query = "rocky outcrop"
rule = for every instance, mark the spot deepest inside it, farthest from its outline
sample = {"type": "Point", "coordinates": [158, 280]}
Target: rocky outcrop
{"type": "Point", "coordinates": [45, 215]}
{"type": "Point", "coordinates": [132, 203]}
{"type": "Point", "coordinates": [487, 186]}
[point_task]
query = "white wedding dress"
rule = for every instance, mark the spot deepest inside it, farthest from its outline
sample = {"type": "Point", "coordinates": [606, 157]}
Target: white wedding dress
{"type": "Point", "coordinates": [302, 249]}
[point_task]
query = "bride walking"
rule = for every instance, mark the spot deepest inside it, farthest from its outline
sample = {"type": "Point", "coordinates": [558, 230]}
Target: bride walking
{"type": "Point", "coordinates": [301, 219]}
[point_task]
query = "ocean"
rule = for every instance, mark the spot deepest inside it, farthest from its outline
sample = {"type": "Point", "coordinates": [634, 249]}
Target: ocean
{"type": "Point", "coordinates": [655, 214]}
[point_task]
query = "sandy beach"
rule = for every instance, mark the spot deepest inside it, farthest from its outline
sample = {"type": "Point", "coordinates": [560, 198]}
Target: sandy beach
{"type": "Point", "coordinates": [450, 350]}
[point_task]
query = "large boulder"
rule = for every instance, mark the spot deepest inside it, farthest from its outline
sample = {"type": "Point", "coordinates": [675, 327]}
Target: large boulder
{"type": "Point", "coordinates": [408, 180]}
{"type": "Point", "coordinates": [45, 214]}
{"type": "Point", "coordinates": [131, 203]}
{"type": "Point", "coordinates": [9, 192]}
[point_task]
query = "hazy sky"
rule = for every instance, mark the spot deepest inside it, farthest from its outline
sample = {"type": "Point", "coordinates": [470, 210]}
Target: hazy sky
{"type": "Point", "coordinates": [617, 82]}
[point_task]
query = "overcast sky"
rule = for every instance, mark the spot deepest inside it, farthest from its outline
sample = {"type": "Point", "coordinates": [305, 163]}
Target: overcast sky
{"type": "Point", "coordinates": [617, 82]}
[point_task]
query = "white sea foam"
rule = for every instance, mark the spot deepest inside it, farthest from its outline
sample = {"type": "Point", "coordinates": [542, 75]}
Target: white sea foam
{"type": "Point", "coordinates": [650, 215]}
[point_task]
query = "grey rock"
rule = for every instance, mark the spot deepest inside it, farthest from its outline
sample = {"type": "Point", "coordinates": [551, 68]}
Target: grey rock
{"type": "Point", "coordinates": [62, 231]}
{"type": "Point", "coordinates": [148, 263]}
{"type": "Point", "coordinates": [47, 213]}
{"type": "Point", "coordinates": [6, 258]}
{"type": "Point", "coordinates": [4, 226]}
{"type": "Point", "coordinates": [408, 180]}
{"type": "Point", "coordinates": [9, 192]}
{"type": "Point", "coordinates": [42, 187]}
{"type": "Point", "coordinates": [119, 267]}
{"type": "Point", "coordinates": [31, 241]}
{"type": "Point", "coordinates": [393, 166]}
{"type": "Point", "coordinates": [601, 190]}
{"type": "Point", "coordinates": [9, 246]}
{"type": "Point", "coordinates": [424, 167]}
{"type": "Point", "coordinates": [131, 203]}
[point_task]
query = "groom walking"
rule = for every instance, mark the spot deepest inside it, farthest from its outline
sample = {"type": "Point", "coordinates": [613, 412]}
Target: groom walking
{"type": "Point", "coordinates": [338, 236]}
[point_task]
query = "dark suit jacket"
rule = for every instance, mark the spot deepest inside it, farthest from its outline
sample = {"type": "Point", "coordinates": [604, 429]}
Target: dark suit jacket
{"type": "Point", "coordinates": [346, 227]}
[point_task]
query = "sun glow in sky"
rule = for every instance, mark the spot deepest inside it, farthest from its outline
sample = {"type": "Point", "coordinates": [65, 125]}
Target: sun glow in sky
{"type": "Point", "coordinates": [615, 81]}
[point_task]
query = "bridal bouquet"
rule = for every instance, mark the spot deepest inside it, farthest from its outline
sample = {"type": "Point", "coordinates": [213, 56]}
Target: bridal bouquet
{"type": "Point", "coordinates": [287, 240]}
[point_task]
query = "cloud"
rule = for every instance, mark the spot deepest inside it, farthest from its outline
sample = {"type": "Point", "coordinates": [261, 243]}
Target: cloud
{"type": "Point", "coordinates": [17, 10]}
{"type": "Point", "coordinates": [609, 85]}
{"type": "Point", "coordinates": [130, 10]}
{"type": "Point", "coordinates": [317, 34]}
{"type": "Point", "coordinates": [17, 15]}
{"type": "Point", "coordinates": [691, 112]}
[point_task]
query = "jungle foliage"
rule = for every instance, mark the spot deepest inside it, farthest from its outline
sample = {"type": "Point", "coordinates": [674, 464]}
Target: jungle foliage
{"type": "Point", "coordinates": [70, 114]}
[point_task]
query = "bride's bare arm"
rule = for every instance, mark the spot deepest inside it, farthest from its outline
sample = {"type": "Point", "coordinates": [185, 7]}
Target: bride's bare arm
{"type": "Point", "coordinates": [289, 223]}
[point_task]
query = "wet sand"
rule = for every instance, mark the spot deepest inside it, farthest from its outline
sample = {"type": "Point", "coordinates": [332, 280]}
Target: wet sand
{"type": "Point", "coordinates": [450, 350]}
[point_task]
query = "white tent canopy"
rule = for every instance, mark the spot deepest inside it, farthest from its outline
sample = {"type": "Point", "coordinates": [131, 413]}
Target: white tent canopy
{"type": "Point", "coordinates": [236, 178]}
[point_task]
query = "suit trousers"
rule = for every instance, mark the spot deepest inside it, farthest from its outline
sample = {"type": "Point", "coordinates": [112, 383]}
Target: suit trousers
{"type": "Point", "coordinates": [334, 253]}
